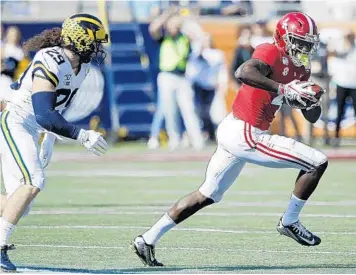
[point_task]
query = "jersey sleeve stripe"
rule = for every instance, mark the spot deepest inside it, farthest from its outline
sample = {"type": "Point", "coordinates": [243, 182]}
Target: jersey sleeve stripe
{"type": "Point", "coordinates": [38, 66]}
{"type": "Point", "coordinates": [13, 148]}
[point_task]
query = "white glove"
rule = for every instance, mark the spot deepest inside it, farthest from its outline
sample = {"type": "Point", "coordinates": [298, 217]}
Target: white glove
{"type": "Point", "coordinates": [46, 149]}
{"type": "Point", "coordinates": [93, 141]}
{"type": "Point", "coordinates": [296, 90]}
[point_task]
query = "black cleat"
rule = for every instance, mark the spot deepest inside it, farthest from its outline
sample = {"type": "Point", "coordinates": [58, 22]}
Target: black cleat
{"type": "Point", "coordinates": [6, 264]}
{"type": "Point", "coordinates": [145, 252]}
{"type": "Point", "coordinates": [299, 233]}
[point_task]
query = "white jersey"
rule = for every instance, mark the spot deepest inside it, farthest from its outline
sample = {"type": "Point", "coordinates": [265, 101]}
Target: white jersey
{"type": "Point", "coordinates": [53, 65]}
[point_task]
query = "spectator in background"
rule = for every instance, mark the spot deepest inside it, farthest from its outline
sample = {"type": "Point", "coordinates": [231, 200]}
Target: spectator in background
{"type": "Point", "coordinates": [157, 124]}
{"type": "Point", "coordinates": [193, 30]}
{"type": "Point", "coordinates": [11, 46]}
{"type": "Point", "coordinates": [143, 10]}
{"type": "Point", "coordinates": [173, 88]}
{"type": "Point", "coordinates": [283, 7]}
{"type": "Point", "coordinates": [344, 75]}
{"type": "Point", "coordinates": [243, 52]}
{"type": "Point", "coordinates": [208, 73]}
{"type": "Point", "coordinates": [1, 34]}
{"type": "Point", "coordinates": [11, 57]}
{"type": "Point", "coordinates": [236, 8]}
{"type": "Point", "coordinates": [260, 34]}
{"type": "Point", "coordinates": [226, 7]}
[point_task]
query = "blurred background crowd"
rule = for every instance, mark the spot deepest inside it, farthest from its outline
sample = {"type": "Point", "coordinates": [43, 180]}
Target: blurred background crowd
{"type": "Point", "coordinates": [169, 78]}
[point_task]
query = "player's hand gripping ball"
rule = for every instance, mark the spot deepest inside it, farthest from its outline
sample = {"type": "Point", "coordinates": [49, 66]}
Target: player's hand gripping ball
{"type": "Point", "coordinates": [310, 101]}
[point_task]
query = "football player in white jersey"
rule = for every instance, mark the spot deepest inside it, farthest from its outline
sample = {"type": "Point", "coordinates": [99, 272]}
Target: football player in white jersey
{"type": "Point", "coordinates": [43, 91]}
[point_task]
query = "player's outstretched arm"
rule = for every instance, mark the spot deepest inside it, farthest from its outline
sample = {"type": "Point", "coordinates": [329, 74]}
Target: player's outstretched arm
{"type": "Point", "coordinates": [312, 115]}
{"type": "Point", "coordinates": [44, 98]}
{"type": "Point", "coordinates": [254, 73]}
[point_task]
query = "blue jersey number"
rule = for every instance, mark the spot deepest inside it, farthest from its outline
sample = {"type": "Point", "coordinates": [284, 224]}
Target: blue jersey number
{"type": "Point", "coordinates": [68, 96]}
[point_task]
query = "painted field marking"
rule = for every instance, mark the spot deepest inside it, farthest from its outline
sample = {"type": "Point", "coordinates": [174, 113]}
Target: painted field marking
{"type": "Point", "coordinates": [344, 253]}
{"type": "Point", "coordinates": [150, 213]}
{"type": "Point", "coordinates": [141, 173]}
{"type": "Point", "coordinates": [189, 229]}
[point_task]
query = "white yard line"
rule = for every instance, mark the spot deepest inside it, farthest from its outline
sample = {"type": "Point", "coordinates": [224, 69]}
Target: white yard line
{"type": "Point", "coordinates": [165, 205]}
{"type": "Point", "coordinates": [139, 173]}
{"type": "Point", "coordinates": [189, 229]}
{"type": "Point", "coordinates": [284, 203]}
{"type": "Point", "coordinates": [211, 249]}
{"type": "Point", "coordinates": [122, 173]}
{"type": "Point", "coordinates": [149, 213]}
{"type": "Point", "coordinates": [230, 192]}
{"type": "Point", "coordinates": [268, 193]}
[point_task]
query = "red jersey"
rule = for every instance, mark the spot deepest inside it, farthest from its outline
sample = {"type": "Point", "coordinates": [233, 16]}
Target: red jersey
{"type": "Point", "coordinates": [255, 105]}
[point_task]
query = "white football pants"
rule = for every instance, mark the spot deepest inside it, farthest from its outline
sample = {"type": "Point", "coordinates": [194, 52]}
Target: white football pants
{"type": "Point", "coordinates": [19, 138]}
{"type": "Point", "coordinates": [239, 142]}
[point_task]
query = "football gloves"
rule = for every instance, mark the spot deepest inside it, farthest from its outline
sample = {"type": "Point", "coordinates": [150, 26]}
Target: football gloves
{"type": "Point", "coordinates": [93, 141]}
{"type": "Point", "coordinates": [296, 91]}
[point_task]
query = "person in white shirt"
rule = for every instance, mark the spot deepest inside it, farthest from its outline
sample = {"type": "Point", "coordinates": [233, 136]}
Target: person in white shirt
{"type": "Point", "coordinates": [174, 89]}
{"type": "Point", "coordinates": [11, 55]}
{"type": "Point", "coordinates": [260, 34]}
{"type": "Point", "coordinates": [208, 73]}
{"type": "Point", "coordinates": [12, 47]}
{"type": "Point", "coordinates": [344, 76]}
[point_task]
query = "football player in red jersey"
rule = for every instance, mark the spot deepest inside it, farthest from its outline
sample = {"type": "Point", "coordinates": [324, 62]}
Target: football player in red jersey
{"type": "Point", "coordinates": [277, 73]}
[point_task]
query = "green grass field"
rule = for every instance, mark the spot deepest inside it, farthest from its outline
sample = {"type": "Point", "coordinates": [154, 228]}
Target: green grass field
{"type": "Point", "coordinates": [91, 210]}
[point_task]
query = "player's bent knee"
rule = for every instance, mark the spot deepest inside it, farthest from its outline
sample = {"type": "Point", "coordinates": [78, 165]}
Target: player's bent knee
{"type": "Point", "coordinates": [322, 167]}
{"type": "Point", "coordinates": [211, 191]}
{"type": "Point", "coordinates": [39, 181]}
{"type": "Point", "coordinates": [31, 192]}
{"type": "Point", "coordinates": [204, 200]}
{"type": "Point", "coordinates": [323, 161]}
{"type": "Point", "coordinates": [320, 159]}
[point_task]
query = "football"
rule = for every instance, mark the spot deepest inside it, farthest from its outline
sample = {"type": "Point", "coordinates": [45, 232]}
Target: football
{"type": "Point", "coordinates": [319, 91]}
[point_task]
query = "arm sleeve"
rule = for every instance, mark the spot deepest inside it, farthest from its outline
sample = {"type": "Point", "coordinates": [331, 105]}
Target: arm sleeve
{"type": "Point", "coordinates": [47, 117]}
{"type": "Point", "coordinates": [45, 66]}
{"type": "Point", "coordinates": [267, 53]}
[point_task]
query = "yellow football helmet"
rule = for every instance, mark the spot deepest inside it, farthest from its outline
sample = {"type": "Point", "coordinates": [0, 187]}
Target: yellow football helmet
{"type": "Point", "coordinates": [84, 34]}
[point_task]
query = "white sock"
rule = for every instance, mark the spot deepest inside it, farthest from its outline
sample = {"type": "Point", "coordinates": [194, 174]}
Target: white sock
{"type": "Point", "coordinates": [294, 208]}
{"type": "Point", "coordinates": [158, 229]}
{"type": "Point", "coordinates": [6, 229]}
